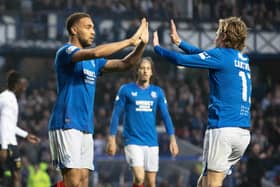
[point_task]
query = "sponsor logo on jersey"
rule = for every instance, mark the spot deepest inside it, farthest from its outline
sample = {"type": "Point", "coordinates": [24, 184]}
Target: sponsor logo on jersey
{"type": "Point", "coordinates": [134, 94]}
{"type": "Point", "coordinates": [89, 76]}
{"type": "Point", "coordinates": [144, 105]}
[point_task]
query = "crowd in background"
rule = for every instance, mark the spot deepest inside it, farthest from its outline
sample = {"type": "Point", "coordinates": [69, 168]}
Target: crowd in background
{"type": "Point", "coordinates": [256, 12]}
{"type": "Point", "coordinates": [33, 15]}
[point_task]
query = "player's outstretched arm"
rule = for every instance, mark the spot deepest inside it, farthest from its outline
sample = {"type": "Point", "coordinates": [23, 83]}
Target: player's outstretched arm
{"type": "Point", "coordinates": [105, 50]}
{"type": "Point", "coordinates": [132, 58]}
{"type": "Point", "coordinates": [111, 146]}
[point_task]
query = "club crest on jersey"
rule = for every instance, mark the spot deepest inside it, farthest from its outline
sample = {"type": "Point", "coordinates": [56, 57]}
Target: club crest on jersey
{"type": "Point", "coordinates": [204, 55]}
{"type": "Point", "coordinates": [134, 94]}
{"type": "Point", "coordinates": [153, 94]}
{"type": "Point", "coordinates": [70, 49]}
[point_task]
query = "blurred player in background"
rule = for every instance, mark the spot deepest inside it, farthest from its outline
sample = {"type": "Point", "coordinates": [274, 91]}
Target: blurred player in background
{"type": "Point", "coordinates": [227, 135]}
{"type": "Point", "coordinates": [139, 102]}
{"type": "Point", "coordinates": [9, 111]}
{"type": "Point", "coordinates": [77, 68]}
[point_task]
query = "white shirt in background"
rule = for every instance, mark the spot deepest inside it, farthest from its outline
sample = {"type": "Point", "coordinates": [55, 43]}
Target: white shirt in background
{"type": "Point", "coordinates": [9, 119]}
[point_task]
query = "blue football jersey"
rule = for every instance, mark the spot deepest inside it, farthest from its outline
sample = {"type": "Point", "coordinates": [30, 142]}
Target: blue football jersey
{"type": "Point", "coordinates": [139, 107]}
{"type": "Point", "coordinates": [76, 84]}
{"type": "Point", "coordinates": [229, 78]}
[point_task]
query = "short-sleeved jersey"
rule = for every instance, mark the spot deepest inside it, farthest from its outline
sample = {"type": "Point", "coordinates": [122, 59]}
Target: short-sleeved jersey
{"type": "Point", "coordinates": [229, 78]}
{"type": "Point", "coordinates": [139, 107]}
{"type": "Point", "coordinates": [76, 84]}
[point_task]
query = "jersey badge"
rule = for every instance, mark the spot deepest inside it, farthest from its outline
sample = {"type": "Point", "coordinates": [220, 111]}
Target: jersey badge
{"type": "Point", "coordinates": [153, 94]}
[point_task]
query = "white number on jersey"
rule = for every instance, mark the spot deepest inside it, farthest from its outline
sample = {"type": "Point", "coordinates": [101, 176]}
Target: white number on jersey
{"type": "Point", "coordinates": [244, 80]}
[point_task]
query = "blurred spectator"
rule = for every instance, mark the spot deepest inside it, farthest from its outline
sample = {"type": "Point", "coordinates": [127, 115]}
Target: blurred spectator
{"type": "Point", "coordinates": [255, 166]}
{"type": "Point", "coordinates": [38, 177]}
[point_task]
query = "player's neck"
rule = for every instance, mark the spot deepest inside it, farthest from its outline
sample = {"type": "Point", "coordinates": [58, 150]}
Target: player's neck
{"type": "Point", "coordinates": [75, 41]}
{"type": "Point", "coordinates": [143, 84]}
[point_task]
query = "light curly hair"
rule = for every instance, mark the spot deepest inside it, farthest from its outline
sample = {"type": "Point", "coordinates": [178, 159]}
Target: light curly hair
{"type": "Point", "coordinates": [236, 32]}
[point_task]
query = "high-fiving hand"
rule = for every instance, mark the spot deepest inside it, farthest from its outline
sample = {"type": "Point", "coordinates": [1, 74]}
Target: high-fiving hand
{"type": "Point", "coordinates": [173, 33]}
{"type": "Point", "coordinates": [155, 39]}
{"type": "Point", "coordinates": [145, 34]}
{"type": "Point", "coordinates": [136, 38]}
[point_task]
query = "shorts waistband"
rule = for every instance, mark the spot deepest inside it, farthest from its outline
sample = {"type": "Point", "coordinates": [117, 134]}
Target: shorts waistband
{"type": "Point", "coordinates": [247, 128]}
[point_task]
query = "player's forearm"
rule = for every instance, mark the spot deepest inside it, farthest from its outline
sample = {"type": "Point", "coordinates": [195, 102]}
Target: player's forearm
{"type": "Point", "coordinates": [168, 54]}
{"type": "Point", "coordinates": [115, 120]}
{"type": "Point", "coordinates": [20, 132]}
{"type": "Point", "coordinates": [167, 119]}
{"type": "Point", "coordinates": [188, 48]}
{"type": "Point", "coordinates": [133, 57]}
{"type": "Point", "coordinates": [105, 50]}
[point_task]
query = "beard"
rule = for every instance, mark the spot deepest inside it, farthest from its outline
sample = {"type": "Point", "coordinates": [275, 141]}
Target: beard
{"type": "Point", "coordinates": [143, 80]}
{"type": "Point", "coordinates": [85, 43]}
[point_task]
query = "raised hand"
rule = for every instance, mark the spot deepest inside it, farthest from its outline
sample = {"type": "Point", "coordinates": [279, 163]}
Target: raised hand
{"type": "Point", "coordinates": [155, 39]}
{"type": "Point", "coordinates": [145, 34]}
{"type": "Point", "coordinates": [136, 38]}
{"type": "Point", "coordinates": [173, 33]}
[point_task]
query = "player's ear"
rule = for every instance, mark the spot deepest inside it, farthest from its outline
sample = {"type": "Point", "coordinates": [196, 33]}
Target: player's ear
{"type": "Point", "coordinates": [224, 36]}
{"type": "Point", "coordinates": [74, 30]}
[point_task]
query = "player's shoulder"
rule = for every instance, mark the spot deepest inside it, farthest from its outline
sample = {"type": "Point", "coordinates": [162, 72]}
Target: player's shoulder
{"type": "Point", "coordinates": [224, 51]}
{"type": "Point", "coordinates": [7, 96]}
{"type": "Point", "coordinates": [67, 48]}
{"type": "Point", "coordinates": [217, 51]}
{"type": "Point", "coordinates": [126, 86]}
{"type": "Point", "coordinates": [156, 88]}
{"type": "Point", "coordinates": [221, 53]}
{"type": "Point", "coordinates": [153, 86]}
{"type": "Point", "coordinates": [6, 93]}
